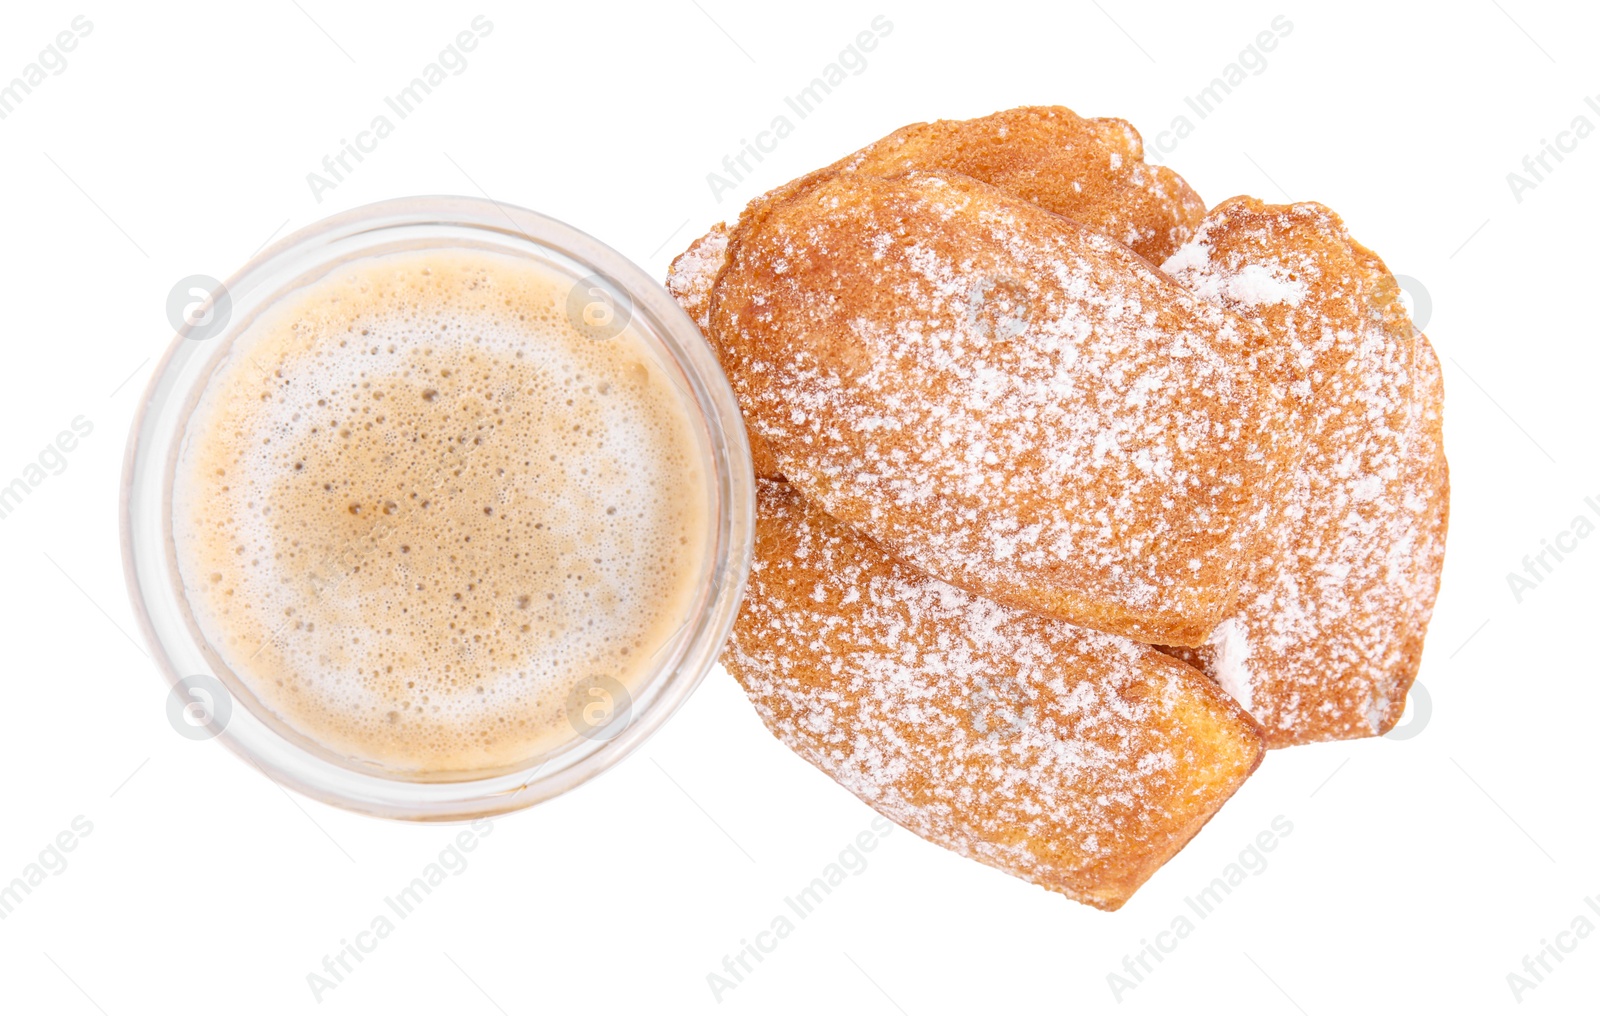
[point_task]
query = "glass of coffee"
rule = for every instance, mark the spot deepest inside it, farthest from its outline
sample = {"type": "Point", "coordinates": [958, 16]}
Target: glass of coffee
{"type": "Point", "coordinates": [436, 509]}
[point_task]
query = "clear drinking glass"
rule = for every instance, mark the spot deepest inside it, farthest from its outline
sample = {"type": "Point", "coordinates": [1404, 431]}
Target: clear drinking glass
{"type": "Point", "coordinates": [215, 702]}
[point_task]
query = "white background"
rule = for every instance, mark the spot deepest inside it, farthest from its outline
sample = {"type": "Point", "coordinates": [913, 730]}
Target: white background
{"type": "Point", "coordinates": [1419, 872]}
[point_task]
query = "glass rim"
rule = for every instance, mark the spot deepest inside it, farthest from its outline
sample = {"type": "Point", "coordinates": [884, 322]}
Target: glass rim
{"type": "Point", "coordinates": [266, 741]}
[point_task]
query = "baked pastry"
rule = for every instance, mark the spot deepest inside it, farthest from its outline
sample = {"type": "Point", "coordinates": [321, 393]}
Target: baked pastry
{"type": "Point", "coordinates": [1327, 634]}
{"type": "Point", "coordinates": [1007, 399]}
{"type": "Point", "coordinates": [1076, 760]}
{"type": "Point", "coordinates": [1001, 446]}
{"type": "Point", "coordinates": [689, 280]}
{"type": "Point", "coordinates": [1091, 170]}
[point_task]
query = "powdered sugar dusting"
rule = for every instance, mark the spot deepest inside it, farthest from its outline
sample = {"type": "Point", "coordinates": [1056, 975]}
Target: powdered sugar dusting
{"type": "Point", "coordinates": [1335, 611]}
{"type": "Point", "coordinates": [690, 280]}
{"type": "Point", "coordinates": [695, 271]}
{"type": "Point", "coordinates": [1008, 400]}
{"type": "Point", "coordinates": [1077, 760]}
{"type": "Point", "coordinates": [1231, 646]}
{"type": "Point", "coordinates": [1252, 285]}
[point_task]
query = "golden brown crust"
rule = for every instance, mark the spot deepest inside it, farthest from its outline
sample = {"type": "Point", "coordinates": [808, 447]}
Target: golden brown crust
{"type": "Point", "coordinates": [1249, 253]}
{"type": "Point", "coordinates": [1089, 170]}
{"type": "Point", "coordinates": [690, 279]}
{"type": "Point", "coordinates": [1429, 472]}
{"type": "Point", "coordinates": [1079, 761]}
{"type": "Point", "coordinates": [1327, 636]}
{"type": "Point", "coordinates": [1007, 399]}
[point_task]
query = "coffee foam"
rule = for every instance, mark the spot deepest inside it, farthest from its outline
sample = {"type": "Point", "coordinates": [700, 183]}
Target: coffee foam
{"type": "Point", "coordinates": [415, 505]}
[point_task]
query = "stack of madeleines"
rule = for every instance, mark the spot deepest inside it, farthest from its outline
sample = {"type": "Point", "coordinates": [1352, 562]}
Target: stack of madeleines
{"type": "Point", "coordinates": [1073, 497]}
